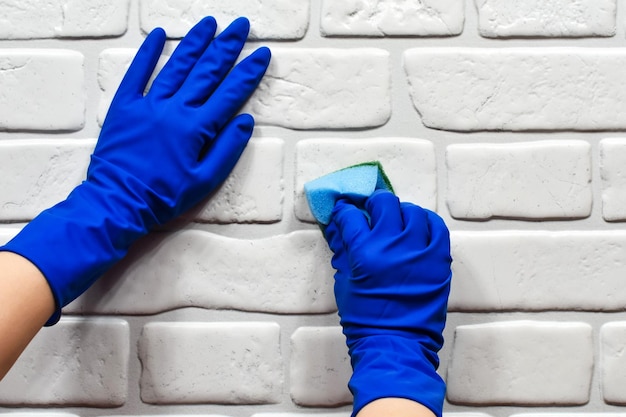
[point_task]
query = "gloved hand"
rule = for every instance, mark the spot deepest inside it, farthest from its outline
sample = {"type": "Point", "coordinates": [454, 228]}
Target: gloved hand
{"type": "Point", "coordinates": [391, 286]}
{"type": "Point", "coordinates": [157, 156]}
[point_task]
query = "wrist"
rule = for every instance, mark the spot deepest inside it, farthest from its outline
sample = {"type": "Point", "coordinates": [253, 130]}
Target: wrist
{"type": "Point", "coordinates": [388, 366]}
{"type": "Point", "coordinates": [74, 242]}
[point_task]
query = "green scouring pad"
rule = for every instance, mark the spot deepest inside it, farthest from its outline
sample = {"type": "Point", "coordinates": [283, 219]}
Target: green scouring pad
{"type": "Point", "coordinates": [355, 183]}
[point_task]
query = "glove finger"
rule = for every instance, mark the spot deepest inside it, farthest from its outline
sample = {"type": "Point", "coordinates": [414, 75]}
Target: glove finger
{"type": "Point", "coordinates": [184, 58]}
{"type": "Point", "coordinates": [384, 210]}
{"type": "Point", "coordinates": [416, 224]}
{"type": "Point", "coordinates": [335, 243]}
{"type": "Point", "coordinates": [142, 66]}
{"type": "Point", "coordinates": [235, 90]}
{"type": "Point", "coordinates": [221, 155]}
{"type": "Point", "coordinates": [216, 61]}
{"type": "Point", "coordinates": [333, 237]}
{"type": "Point", "coordinates": [351, 222]}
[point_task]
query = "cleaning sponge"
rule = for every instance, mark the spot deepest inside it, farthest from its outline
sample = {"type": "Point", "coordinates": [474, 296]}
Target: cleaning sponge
{"type": "Point", "coordinates": [356, 183]}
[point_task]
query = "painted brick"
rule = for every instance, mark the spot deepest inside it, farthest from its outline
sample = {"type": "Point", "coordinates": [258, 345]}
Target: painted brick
{"type": "Point", "coordinates": [200, 269]}
{"type": "Point", "coordinates": [300, 88]}
{"type": "Point", "coordinates": [521, 363]}
{"type": "Point", "coordinates": [178, 16]}
{"type": "Point", "coordinates": [409, 163]}
{"type": "Point", "coordinates": [320, 367]}
{"type": "Point", "coordinates": [112, 66]}
{"type": "Point", "coordinates": [562, 18]}
{"type": "Point", "coordinates": [392, 18]}
{"type": "Point", "coordinates": [76, 362]}
{"type": "Point", "coordinates": [574, 414]}
{"type": "Point", "coordinates": [37, 414]}
{"type": "Point", "coordinates": [254, 190]}
{"type": "Point", "coordinates": [535, 180]}
{"type": "Point", "coordinates": [330, 414]}
{"type": "Point", "coordinates": [613, 175]}
{"type": "Point", "coordinates": [324, 88]}
{"type": "Point", "coordinates": [211, 362]}
{"type": "Point", "coordinates": [613, 362]}
{"type": "Point", "coordinates": [41, 89]}
{"type": "Point", "coordinates": [32, 19]}
{"type": "Point", "coordinates": [465, 415]}
{"type": "Point", "coordinates": [538, 270]}
{"type": "Point", "coordinates": [36, 174]}
{"type": "Point", "coordinates": [518, 88]}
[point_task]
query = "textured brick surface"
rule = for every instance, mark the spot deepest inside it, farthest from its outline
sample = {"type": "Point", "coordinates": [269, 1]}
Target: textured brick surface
{"type": "Point", "coordinates": [613, 341]}
{"type": "Point", "coordinates": [465, 415]}
{"type": "Point", "coordinates": [303, 414]}
{"type": "Point", "coordinates": [409, 164]}
{"type": "Point", "coordinates": [41, 89]}
{"type": "Point", "coordinates": [270, 19]}
{"type": "Point", "coordinates": [520, 180]}
{"type": "Point", "coordinates": [194, 268]}
{"type": "Point", "coordinates": [254, 191]}
{"type": "Point", "coordinates": [299, 89]}
{"type": "Point", "coordinates": [320, 367]}
{"type": "Point", "coordinates": [613, 174]}
{"type": "Point", "coordinates": [38, 414]}
{"type": "Point", "coordinates": [392, 18]}
{"type": "Point", "coordinates": [76, 362]}
{"type": "Point", "coordinates": [578, 414]}
{"type": "Point", "coordinates": [554, 18]}
{"type": "Point", "coordinates": [207, 363]}
{"type": "Point", "coordinates": [324, 88]}
{"type": "Point", "coordinates": [522, 362]}
{"type": "Point", "coordinates": [517, 270]}
{"type": "Point", "coordinates": [31, 19]}
{"type": "Point", "coordinates": [518, 88]}
{"type": "Point", "coordinates": [35, 174]}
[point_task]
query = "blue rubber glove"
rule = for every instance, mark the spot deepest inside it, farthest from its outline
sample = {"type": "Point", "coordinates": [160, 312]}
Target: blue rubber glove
{"type": "Point", "coordinates": [391, 286]}
{"type": "Point", "coordinates": [158, 155]}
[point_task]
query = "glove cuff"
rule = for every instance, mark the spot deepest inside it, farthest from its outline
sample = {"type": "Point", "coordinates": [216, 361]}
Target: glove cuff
{"type": "Point", "coordinates": [395, 367]}
{"type": "Point", "coordinates": [74, 242]}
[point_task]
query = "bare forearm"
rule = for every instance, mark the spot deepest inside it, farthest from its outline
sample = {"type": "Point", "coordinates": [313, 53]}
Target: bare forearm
{"type": "Point", "coordinates": [395, 407]}
{"type": "Point", "coordinates": [26, 303]}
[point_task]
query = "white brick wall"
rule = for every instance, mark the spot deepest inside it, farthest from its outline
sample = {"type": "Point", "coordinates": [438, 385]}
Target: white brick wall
{"type": "Point", "coordinates": [32, 19]}
{"type": "Point", "coordinates": [508, 118]}
{"type": "Point", "coordinates": [177, 17]}
{"type": "Point", "coordinates": [538, 270]}
{"type": "Point", "coordinates": [320, 367]}
{"type": "Point", "coordinates": [565, 18]}
{"type": "Point", "coordinates": [524, 180]}
{"type": "Point", "coordinates": [392, 18]}
{"type": "Point", "coordinates": [93, 370]}
{"type": "Point", "coordinates": [557, 88]}
{"type": "Point", "coordinates": [41, 89]}
{"type": "Point", "coordinates": [521, 363]}
{"type": "Point", "coordinates": [248, 372]}
{"type": "Point", "coordinates": [325, 88]}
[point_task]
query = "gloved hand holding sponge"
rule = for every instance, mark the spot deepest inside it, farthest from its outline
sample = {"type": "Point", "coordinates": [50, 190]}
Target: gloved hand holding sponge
{"type": "Point", "coordinates": [391, 286]}
{"type": "Point", "coordinates": [158, 154]}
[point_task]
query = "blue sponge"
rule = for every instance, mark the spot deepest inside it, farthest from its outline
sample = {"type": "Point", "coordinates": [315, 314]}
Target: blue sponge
{"type": "Point", "coordinates": [356, 183]}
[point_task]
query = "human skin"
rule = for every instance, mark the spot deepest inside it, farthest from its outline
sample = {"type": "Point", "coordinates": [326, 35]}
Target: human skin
{"type": "Point", "coordinates": [26, 304]}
